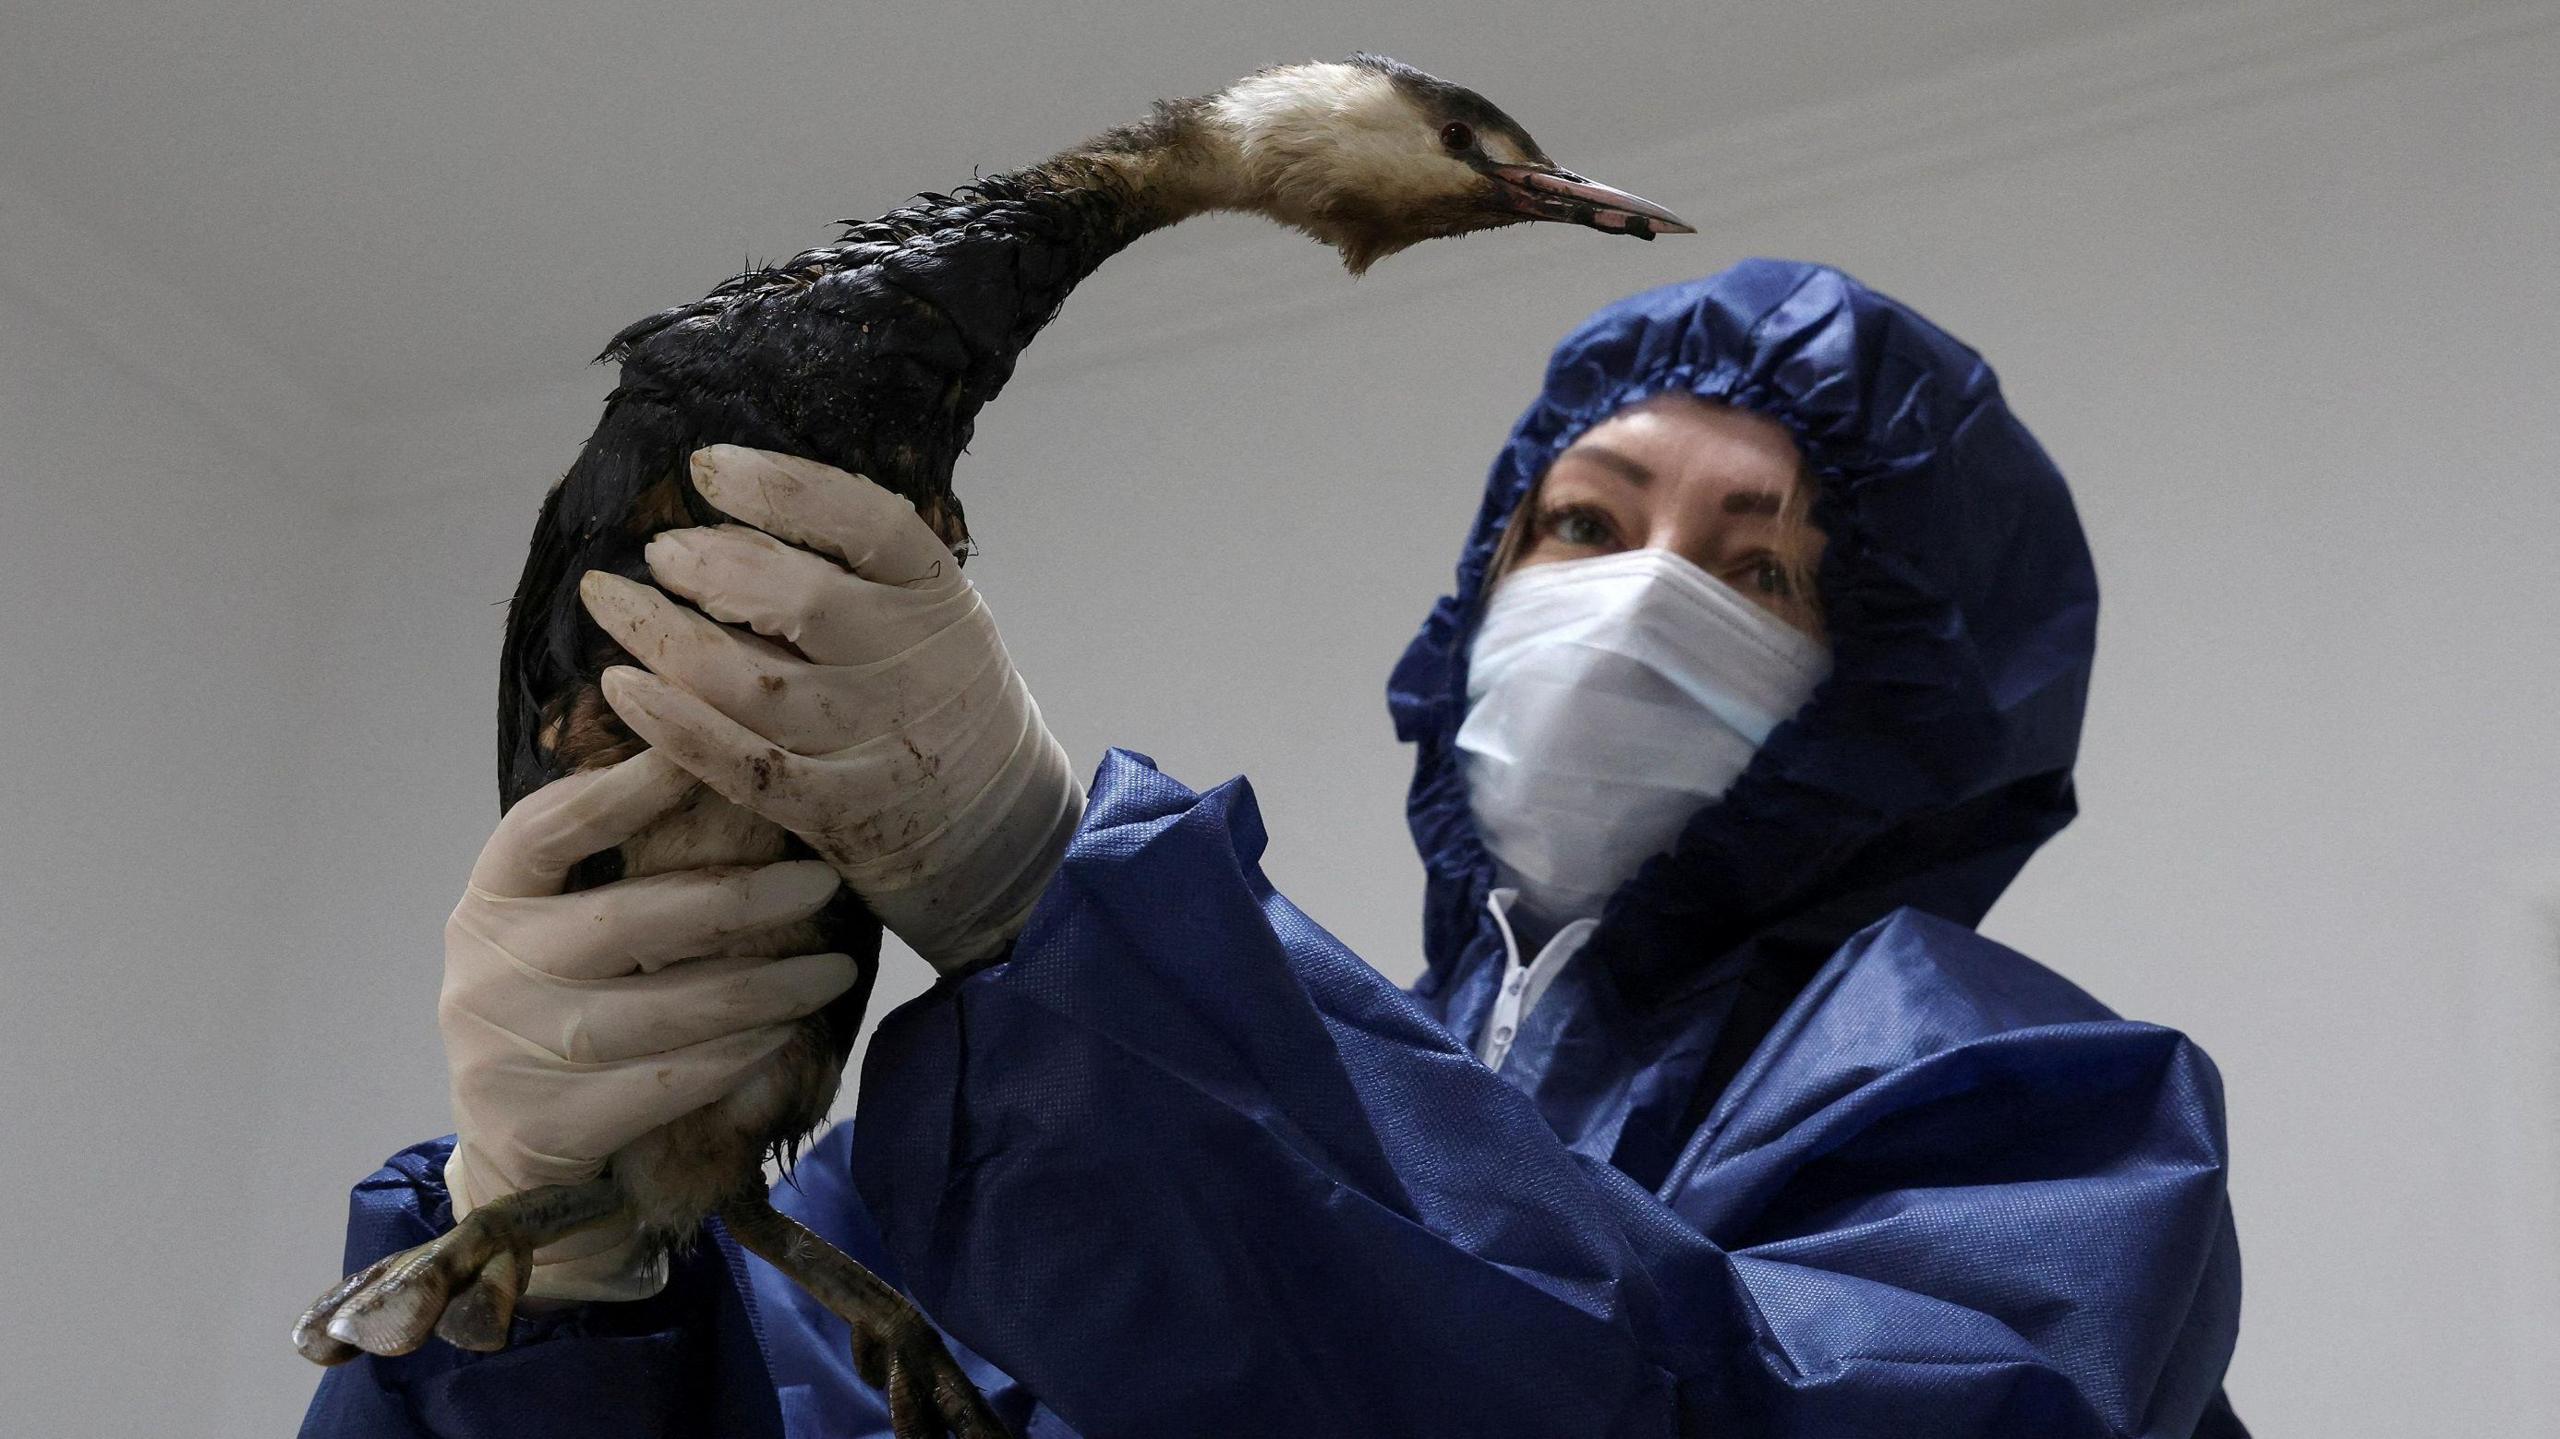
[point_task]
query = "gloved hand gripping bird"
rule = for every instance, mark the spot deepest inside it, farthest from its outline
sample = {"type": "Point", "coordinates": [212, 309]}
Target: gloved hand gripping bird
{"type": "Point", "coordinates": [873, 355]}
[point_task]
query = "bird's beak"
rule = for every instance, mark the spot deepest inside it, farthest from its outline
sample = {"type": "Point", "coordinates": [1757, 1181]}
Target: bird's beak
{"type": "Point", "coordinates": [1543, 192]}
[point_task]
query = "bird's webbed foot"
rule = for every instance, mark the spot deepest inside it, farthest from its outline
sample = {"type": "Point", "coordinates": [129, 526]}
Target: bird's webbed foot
{"type": "Point", "coordinates": [462, 1285]}
{"type": "Point", "coordinates": [896, 1349]}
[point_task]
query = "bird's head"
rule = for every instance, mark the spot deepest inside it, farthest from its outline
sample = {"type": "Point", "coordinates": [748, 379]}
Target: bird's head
{"type": "Point", "coordinates": [1370, 155]}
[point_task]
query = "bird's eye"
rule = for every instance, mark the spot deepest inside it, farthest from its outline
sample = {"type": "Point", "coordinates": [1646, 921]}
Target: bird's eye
{"type": "Point", "coordinates": [1458, 135]}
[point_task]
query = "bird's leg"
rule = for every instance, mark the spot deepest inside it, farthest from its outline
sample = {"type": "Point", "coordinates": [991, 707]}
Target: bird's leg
{"type": "Point", "coordinates": [463, 1284]}
{"type": "Point", "coordinates": [895, 1348]}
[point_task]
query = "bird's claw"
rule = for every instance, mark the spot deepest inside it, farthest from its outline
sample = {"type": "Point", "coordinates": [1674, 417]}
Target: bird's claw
{"type": "Point", "coordinates": [896, 1349]}
{"type": "Point", "coordinates": [930, 1396]}
{"type": "Point", "coordinates": [463, 1286]}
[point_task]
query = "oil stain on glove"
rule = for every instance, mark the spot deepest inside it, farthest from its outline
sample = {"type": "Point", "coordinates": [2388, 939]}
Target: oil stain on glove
{"type": "Point", "coordinates": [867, 705]}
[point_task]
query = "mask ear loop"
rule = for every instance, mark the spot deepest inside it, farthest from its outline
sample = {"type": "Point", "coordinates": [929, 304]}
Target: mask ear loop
{"type": "Point", "coordinates": [1505, 551]}
{"type": "Point", "coordinates": [1524, 517]}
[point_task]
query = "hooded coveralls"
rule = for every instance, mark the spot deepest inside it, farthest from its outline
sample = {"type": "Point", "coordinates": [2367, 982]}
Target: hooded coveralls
{"type": "Point", "coordinates": [1785, 1148]}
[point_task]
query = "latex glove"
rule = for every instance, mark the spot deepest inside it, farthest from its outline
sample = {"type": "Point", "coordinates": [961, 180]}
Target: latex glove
{"type": "Point", "coordinates": [575, 1023]}
{"type": "Point", "coordinates": [890, 730]}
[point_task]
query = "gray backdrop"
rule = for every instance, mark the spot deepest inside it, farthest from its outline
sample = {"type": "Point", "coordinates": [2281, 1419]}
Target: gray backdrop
{"type": "Point", "coordinates": [293, 301]}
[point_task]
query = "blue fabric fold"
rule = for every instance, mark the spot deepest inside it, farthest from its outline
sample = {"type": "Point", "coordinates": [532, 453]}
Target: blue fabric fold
{"type": "Point", "coordinates": [1184, 1162]}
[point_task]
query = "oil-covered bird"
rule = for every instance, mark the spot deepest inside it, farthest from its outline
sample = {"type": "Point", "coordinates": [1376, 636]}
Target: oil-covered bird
{"type": "Point", "coordinates": [873, 354]}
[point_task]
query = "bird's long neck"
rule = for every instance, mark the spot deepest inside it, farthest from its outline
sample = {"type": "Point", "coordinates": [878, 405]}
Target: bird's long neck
{"type": "Point", "coordinates": [936, 299]}
{"type": "Point", "coordinates": [1056, 222]}
{"type": "Point", "coordinates": [1136, 179]}
{"type": "Point", "coordinates": [1176, 163]}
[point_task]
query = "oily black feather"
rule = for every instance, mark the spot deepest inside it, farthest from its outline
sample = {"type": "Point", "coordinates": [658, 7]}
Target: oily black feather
{"type": "Point", "coordinates": [872, 354]}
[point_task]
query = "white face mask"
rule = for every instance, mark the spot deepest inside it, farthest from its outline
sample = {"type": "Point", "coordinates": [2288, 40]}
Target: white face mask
{"type": "Point", "coordinates": [1608, 699]}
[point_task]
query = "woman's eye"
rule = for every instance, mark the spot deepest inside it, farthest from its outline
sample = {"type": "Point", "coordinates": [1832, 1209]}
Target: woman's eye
{"type": "Point", "coordinates": [1769, 577]}
{"type": "Point", "coordinates": [1576, 525]}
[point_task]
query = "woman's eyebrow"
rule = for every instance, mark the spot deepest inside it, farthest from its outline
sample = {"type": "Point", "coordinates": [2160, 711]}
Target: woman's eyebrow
{"type": "Point", "coordinates": [1753, 502]}
{"type": "Point", "coordinates": [1627, 466]}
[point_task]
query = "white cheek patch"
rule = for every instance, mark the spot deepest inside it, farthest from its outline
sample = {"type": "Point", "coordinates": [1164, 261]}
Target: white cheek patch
{"type": "Point", "coordinates": [1318, 133]}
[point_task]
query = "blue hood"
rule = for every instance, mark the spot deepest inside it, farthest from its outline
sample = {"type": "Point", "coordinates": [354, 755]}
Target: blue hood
{"type": "Point", "coordinates": [1959, 595]}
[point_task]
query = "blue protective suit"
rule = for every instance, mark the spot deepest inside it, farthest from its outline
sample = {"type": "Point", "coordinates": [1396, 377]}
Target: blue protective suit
{"type": "Point", "coordinates": [1786, 1149]}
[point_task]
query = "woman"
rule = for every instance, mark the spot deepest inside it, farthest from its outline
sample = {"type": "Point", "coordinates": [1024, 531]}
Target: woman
{"type": "Point", "coordinates": [1711, 1113]}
